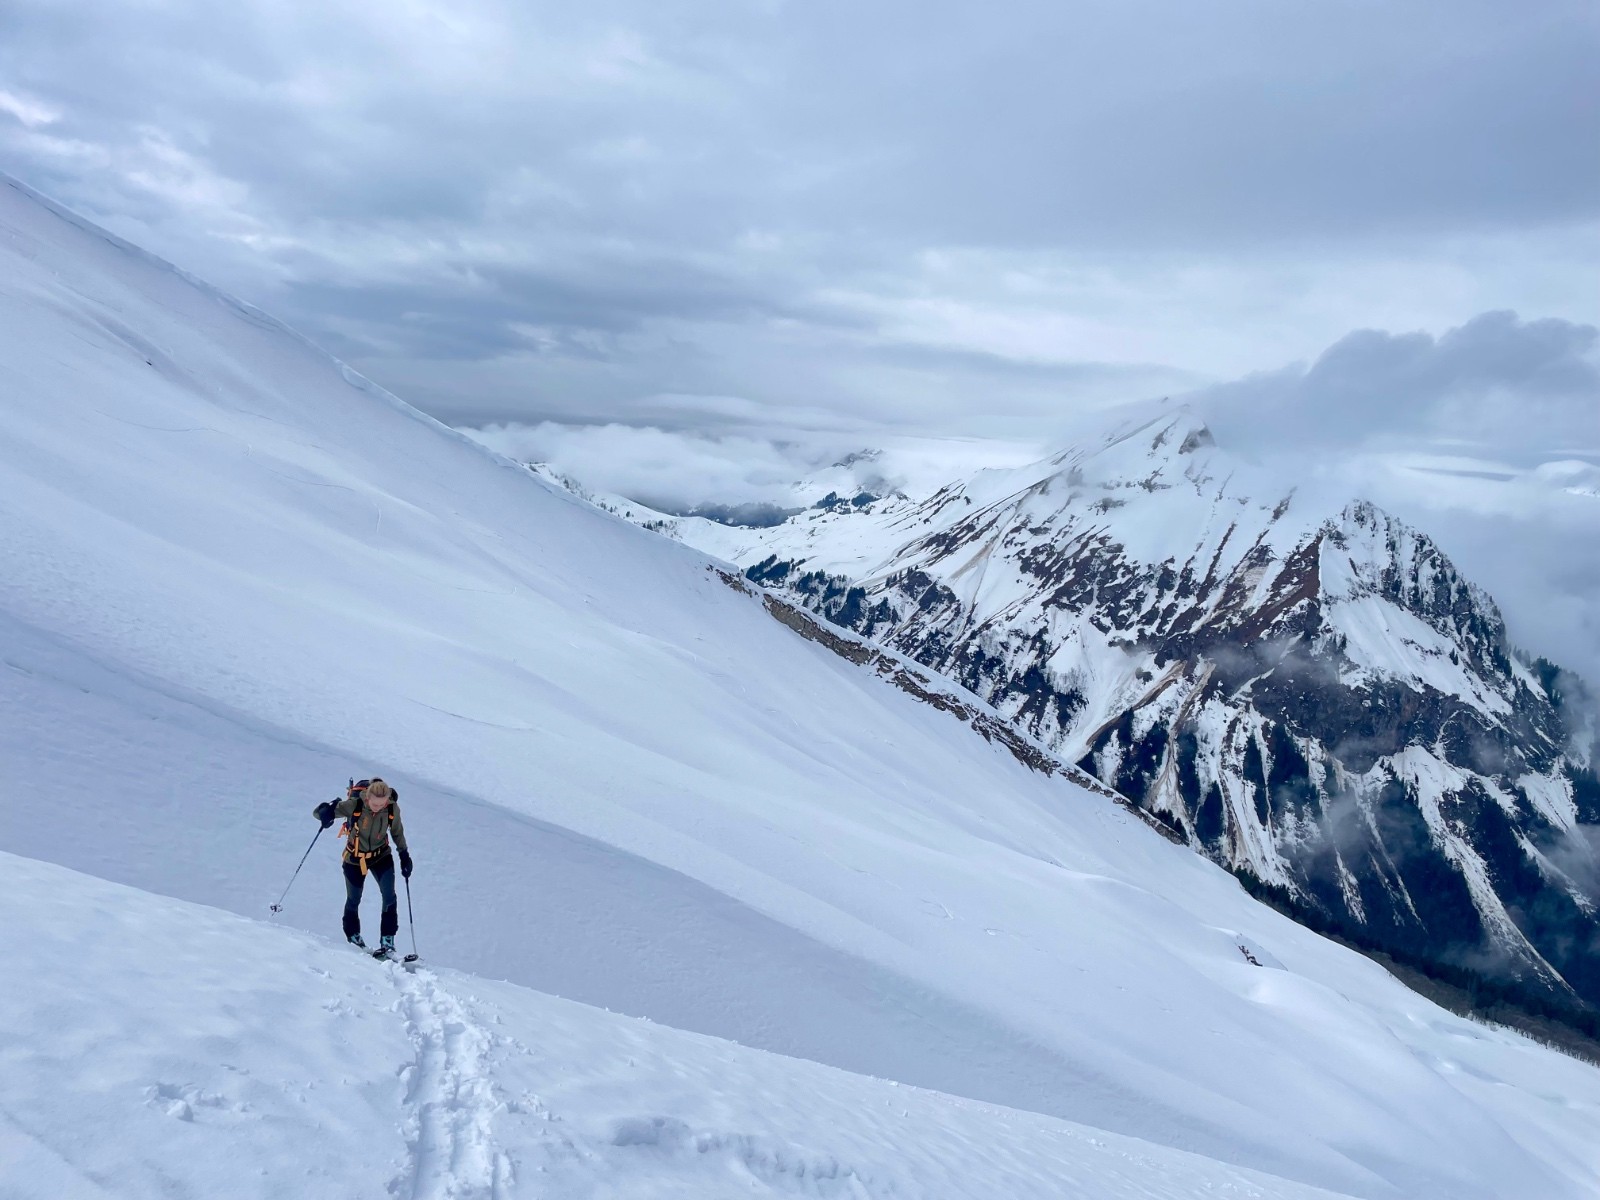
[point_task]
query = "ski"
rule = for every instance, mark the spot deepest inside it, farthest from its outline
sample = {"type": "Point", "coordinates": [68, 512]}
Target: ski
{"type": "Point", "coordinates": [385, 954]}
{"type": "Point", "coordinates": [409, 963]}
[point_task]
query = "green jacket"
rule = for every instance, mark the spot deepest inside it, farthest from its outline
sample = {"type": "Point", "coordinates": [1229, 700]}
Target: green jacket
{"type": "Point", "coordinates": [371, 834]}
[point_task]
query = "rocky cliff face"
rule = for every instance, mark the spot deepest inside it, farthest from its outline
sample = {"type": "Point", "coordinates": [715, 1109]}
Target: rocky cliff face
{"type": "Point", "coordinates": [1315, 699]}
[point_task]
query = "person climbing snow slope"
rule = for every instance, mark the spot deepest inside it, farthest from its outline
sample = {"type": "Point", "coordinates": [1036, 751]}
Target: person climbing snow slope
{"type": "Point", "coordinates": [372, 816]}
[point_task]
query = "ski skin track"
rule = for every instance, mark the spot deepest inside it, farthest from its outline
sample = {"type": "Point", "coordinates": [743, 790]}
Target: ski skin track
{"type": "Point", "coordinates": [453, 1106]}
{"type": "Point", "coordinates": [451, 1098]}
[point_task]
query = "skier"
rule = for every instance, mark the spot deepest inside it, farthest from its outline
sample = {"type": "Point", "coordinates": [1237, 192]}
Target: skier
{"type": "Point", "coordinates": [372, 814]}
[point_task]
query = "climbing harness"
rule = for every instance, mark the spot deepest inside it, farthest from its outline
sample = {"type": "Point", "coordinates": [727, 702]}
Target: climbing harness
{"type": "Point", "coordinates": [352, 827]}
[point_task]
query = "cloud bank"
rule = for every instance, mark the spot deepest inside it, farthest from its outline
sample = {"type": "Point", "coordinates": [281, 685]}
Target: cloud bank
{"type": "Point", "coordinates": [677, 470]}
{"type": "Point", "coordinates": [1486, 436]}
{"type": "Point", "coordinates": [672, 470]}
{"type": "Point", "coordinates": [1524, 388]}
{"type": "Point", "coordinates": [513, 212]}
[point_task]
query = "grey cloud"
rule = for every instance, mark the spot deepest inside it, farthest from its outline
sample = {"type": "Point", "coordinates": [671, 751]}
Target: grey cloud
{"type": "Point", "coordinates": [677, 469]}
{"type": "Point", "coordinates": [868, 390]}
{"type": "Point", "coordinates": [1239, 121]}
{"type": "Point", "coordinates": [1528, 387]}
{"type": "Point", "coordinates": [666, 469]}
{"type": "Point", "coordinates": [1495, 350]}
{"type": "Point", "coordinates": [649, 183]}
{"type": "Point", "coordinates": [1130, 378]}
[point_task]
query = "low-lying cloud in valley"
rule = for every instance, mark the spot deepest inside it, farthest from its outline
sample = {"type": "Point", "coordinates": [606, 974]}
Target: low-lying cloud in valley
{"type": "Point", "coordinates": [667, 469]}
{"type": "Point", "coordinates": [678, 470]}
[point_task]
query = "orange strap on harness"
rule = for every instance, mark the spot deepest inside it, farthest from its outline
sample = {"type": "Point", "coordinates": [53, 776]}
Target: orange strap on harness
{"type": "Point", "coordinates": [352, 835]}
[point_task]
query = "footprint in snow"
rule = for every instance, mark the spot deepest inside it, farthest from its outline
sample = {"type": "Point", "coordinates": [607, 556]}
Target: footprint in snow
{"type": "Point", "coordinates": [182, 1101]}
{"type": "Point", "coordinates": [780, 1166]}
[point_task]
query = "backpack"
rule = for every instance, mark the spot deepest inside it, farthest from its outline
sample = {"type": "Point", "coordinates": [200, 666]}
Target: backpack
{"type": "Point", "coordinates": [350, 832]}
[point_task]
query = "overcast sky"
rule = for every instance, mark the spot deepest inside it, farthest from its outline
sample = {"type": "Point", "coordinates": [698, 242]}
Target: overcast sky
{"type": "Point", "coordinates": [918, 213]}
{"type": "Point", "coordinates": [708, 242]}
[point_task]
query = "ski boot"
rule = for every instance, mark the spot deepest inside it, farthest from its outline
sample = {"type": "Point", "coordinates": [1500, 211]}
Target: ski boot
{"type": "Point", "coordinates": [355, 940]}
{"type": "Point", "coordinates": [385, 947]}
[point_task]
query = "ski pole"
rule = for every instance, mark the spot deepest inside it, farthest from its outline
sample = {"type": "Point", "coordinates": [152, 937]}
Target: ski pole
{"type": "Point", "coordinates": [278, 907]}
{"type": "Point", "coordinates": [411, 921]}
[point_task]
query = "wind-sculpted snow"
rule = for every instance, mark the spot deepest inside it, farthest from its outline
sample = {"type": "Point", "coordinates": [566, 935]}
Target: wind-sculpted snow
{"type": "Point", "coordinates": [1316, 699]}
{"type": "Point", "coordinates": [233, 574]}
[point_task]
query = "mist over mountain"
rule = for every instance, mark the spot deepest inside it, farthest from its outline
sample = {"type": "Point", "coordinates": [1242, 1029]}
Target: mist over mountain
{"type": "Point", "coordinates": [1487, 435]}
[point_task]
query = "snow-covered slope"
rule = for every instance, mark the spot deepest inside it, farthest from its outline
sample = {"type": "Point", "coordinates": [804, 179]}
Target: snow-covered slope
{"type": "Point", "coordinates": [1310, 693]}
{"type": "Point", "coordinates": [235, 1060]}
{"type": "Point", "coordinates": [233, 573]}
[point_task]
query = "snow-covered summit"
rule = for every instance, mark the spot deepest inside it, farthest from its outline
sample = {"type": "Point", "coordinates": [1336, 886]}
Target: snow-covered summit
{"type": "Point", "coordinates": [1304, 686]}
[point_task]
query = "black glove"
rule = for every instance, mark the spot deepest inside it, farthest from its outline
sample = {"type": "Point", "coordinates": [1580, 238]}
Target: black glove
{"type": "Point", "coordinates": [405, 864]}
{"type": "Point", "coordinates": [324, 813]}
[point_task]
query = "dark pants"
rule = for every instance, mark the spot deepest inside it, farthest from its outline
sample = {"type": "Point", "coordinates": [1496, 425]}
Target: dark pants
{"type": "Point", "coordinates": [383, 872]}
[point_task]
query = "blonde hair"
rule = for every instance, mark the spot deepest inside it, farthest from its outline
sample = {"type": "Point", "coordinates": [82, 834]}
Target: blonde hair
{"type": "Point", "coordinates": [379, 790]}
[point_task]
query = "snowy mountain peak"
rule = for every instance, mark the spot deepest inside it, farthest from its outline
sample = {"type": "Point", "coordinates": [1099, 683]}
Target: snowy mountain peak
{"type": "Point", "coordinates": [1369, 554]}
{"type": "Point", "coordinates": [1310, 693]}
{"type": "Point", "coordinates": [859, 458]}
{"type": "Point", "coordinates": [1177, 429]}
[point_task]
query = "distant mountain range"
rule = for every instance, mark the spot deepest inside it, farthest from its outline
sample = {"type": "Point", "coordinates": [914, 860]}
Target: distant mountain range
{"type": "Point", "coordinates": [1310, 695]}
